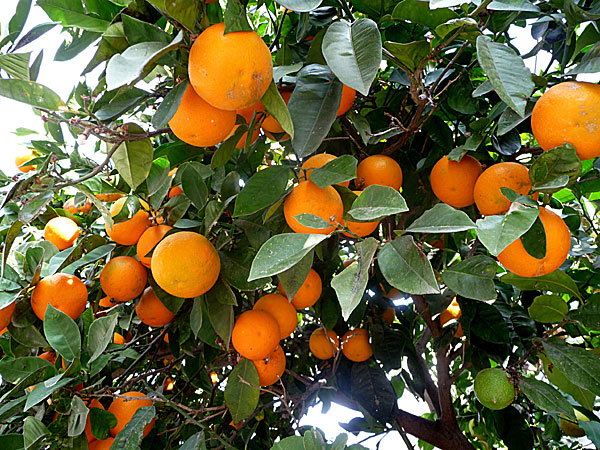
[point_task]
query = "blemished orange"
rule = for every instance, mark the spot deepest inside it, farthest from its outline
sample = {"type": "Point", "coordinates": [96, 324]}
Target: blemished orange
{"type": "Point", "coordinates": [316, 161]}
{"type": "Point", "coordinates": [118, 339]}
{"type": "Point", "coordinates": [488, 196]}
{"type": "Point", "coordinates": [308, 198]}
{"type": "Point", "coordinates": [453, 182]}
{"type": "Point", "coordinates": [270, 124]}
{"type": "Point", "coordinates": [355, 345]}
{"type": "Point", "coordinates": [6, 314]}
{"type": "Point", "coordinates": [96, 444]}
{"type": "Point", "coordinates": [198, 123]}
{"type": "Point", "coordinates": [378, 169]}
{"type": "Point", "coordinates": [106, 302]}
{"type": "Point", "coordinates": [185, 264]}
{"type": "Point", "coordinates": [123, 278]}
{"type": "Point", "coordinates": [255, 334]}
{"type": "Point", "coordinates": [360, 229]}
{"type": "Point", "coordinates": [282, 311]}
{"type": "Point", "coordinates": [148, 240]}
{"type": "Point", "coordinates": [230, 71]}
{"type": "Point", "coordinates": [88, 424]}
{"type": "Point", "coordinates": [152, 311]}
{"type": "Point", "coordinates": [62, 232]}
{"type": "Point", "coordinates": [309, 292]}
{"type": "Point", "coordinates": [517, 260]}
{"type": "Point", "coordinates": [110, 196]}
{"type": "Point", "coordinates": [129, 231]}
{"type": "Point", "coordinates": [569, 113]}
{"type": "Point", "coordinates": [348, 96]}
{"type": "Point", "coordinates": [271, 368]}
{"type": "Point", "coordinates": [22, 157]}
{"type": "Point", "coordinates": [324, 346]}
{"type": "Point", "coordinates": [48, 356]}
{"type": "Point", "coordinates": [452, 312]}
{"type": "Point", "coordinates": [85, 208]}
{"type": "Point", "coordinates": [124, 409]}
{"type": "Point", "coordinates": [65, 292]}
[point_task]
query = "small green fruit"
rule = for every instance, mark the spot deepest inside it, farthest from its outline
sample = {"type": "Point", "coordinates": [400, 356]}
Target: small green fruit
{"type": "Point", "coordinates": [572, 429]}
{"type": "Point", "coordinates": [493, 388]}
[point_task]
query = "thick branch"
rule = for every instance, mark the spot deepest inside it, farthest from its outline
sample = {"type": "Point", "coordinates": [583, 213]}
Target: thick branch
{"type": "Point", "coordinates": [433, 432]}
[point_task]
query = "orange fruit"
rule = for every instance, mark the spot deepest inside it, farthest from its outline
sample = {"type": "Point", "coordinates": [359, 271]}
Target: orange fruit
{"type": "Point", "coordinates": [324, 344]}
{"type": "Point", "coordinates": [355, 345]}
{"type": "Point", "coordinates": [569, 113]}
{"type": "Point", "coordinates": [22, 157]}
{"type": "Point", "coordinates": [558, 243]}
{"type": "Point", "coordinates": [198, 123]}
{"type": "Point", "coordinates": [48, 356]}
{"type": "Point", "coordinates": [169, 384]}
{"type": "Point", "coordinates": [316, 161]}
{"type": "Point", "coordinates": [309, 292]}
{"type": "Point", "coordinates": [124, 409]}
{"type": "Point", "coordinates": [452, 312]}
{"type": "Point", "coordinates": [6, 314]}
{"type": "Point", "coordinates": [65, 292]}
{"type": "Point", "coordinates": [230, 71]}
{"type": "Point", "coordinates": [488, 196]}
{"type": "Point", "coordinates": [62, 232]}
{"type": "Point", "coordinates": [348, 96]}
{"type": "Point", "coordinates": [106, 444]}
{"type": "Point", "coordinates": [389, 315]}
{"type": "Point", "coordinates": [118, 339]}
{"type": "Point", "coordinates": [109, 197]}
{"type": "Point", "coordinates": [282, 311]}
{"type": "Point", "coordinates": [106, 302]}
{"type": "Point", "coordinates": [271, 368]}
{"type": "Point", "coordinates": [378, 169]}
{"type": "Point", "coordinates": [175, 190]}
{"type": "Point", "coordinates": [148, 240]}
{"type": "Point", "coordinates": [270, 124]}
{"type": "Point", "coordinates": [123, 278]}
{"type": "Point", "coordinates": [255, 334]}
{"type": "Point", "coordinates": [69, 206]}
{"type": "Point", "coordinates": [129, 231]}
{"type": "Point", "coordinates": [185, 264]}
{"type": "Point", "coordinates": [152, 311]}
{"type": "Point", "coordinates": [308, 198]}
{"type": "Point", "coordinates": [453, 182]}
{"type": "Point", "coordinates": [88, 425]}
{"type": "Point", "coordinates": [361, 229]}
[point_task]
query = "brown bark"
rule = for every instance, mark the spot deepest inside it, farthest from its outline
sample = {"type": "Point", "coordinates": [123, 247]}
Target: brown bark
{"type": "Point", "coordinates": [436, 433]}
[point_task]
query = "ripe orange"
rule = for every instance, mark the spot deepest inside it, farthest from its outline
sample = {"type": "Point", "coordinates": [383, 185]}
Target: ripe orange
{"type": "Point", "coordinates": [361, 229]}
{"type": "Point", "coordinates": [453, 182]}
{"type": "Point", "coordinates": [69, 206]}
{"type": "Point", "coordinates": [6, 314]}
{"type": "Point", "coordinates": [389, 315]}
{"type": "Point", "coordinates": [309, 292]}
{"type": "Point", "coordinates": [558, 243]}
{"type": "Point", "coordinates": [109, 197]}
{"type": "Point", "coordinates": [129, 231]}
{"type": "Point", "coordinates": [88, 425]}
{"type": "Point", "coordinates": [118, 339]}
{"type": "Point", "coordinates": [151, 310]}
{"type": "Point", "coordinates": [569, 113]}
{"type": "Point", "coordinates": [106, 302]}
{"type": "Point", "coordinates": [270, 124]}
{"type": "Point", "coordinates": [324, 346]}
{"type": "Point", "coordinates": [452, 312]}
{"type": "Point", "coordinates": [65, 292]}
{"type": "Point", "coordinates": [48, 356]}
{"type": "Point", "coordinates": [62, 232]}
{"type": "Point", "coordinates": [308, 198]}
{"type": "Point", "coordinates": [378, 169]}
{"type": "Point", "coordinates": [175, 190]}
{"type": "Point", "coordinates": [185, 264]}
{"type": "Point", "coordinates": [123, 278]}
{"type": "Point", "coordinates": [282, 311]}
{"type": "Point", "coordinates": [230, 71]}
{"type": "Point", "coordinates": [124, 409]}
{"type": "Point", "coordinates": [316, 161]}
{"type": "Point", "coordinates": [355, 345]}
{"type": "Point", "coordinates": [488, 196]}
{"type": "Point", "coordinates": [255, 334]}
{"type": "Point", "coordinates": [198, 123]}
{"type": "Point", "coordinates": [348, 96]}
{"type": "Point", "coordinates": [271, 368]}
{"type": "Point", "coordinates": [22, 157]}
{"type": "Point", "coordinates": [148, 240]}
{"type": "Point", "coordinates": [106, 444]}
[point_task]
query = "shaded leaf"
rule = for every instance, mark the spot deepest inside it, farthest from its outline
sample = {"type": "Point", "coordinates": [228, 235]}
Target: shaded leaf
{"type": "Point", "coordinates": [557, 282]}
{"type": "Point", "coordinates": [262, 189]}
{"type": "Point", "coordinates": [473, 277]}
{"type": "Point", "coordinates": [548, 309]}
{"type": "Point", "coordinates": [241, 393]}
{"type": "Point", "coordinates": [441, 218]}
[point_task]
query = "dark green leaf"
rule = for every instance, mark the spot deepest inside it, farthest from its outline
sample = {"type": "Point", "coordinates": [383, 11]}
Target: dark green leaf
{"type": "Point", "coordinates": [336, 171]}
{"type": "Point", "coordinates": [90, 257]}
{"type": "Point", "coordinates": [221, 293]}
{"type": "Point", "coordinates": [169, 105]}
{"type": "Point", "coordinates": [373, 391]}
{"type": "Point", "coordinates": [158, 176]}
{"type": "Point", "coordinates": [34, 208]}
{"type": "Point", "coordinates": [548, 309]}
{"type": "Point", "coordinates": [235, 17]}
{"type": "Point", "coordinates": [300, 5]}
{"type": "Point", "coordinates": [194, 186]}
{"type": "Point", "coordinates": [101, 422]}
{"type": "Point", "coordinates": [227, 148]}
{"type": "Point", "coordinates": [262, 189]}
{"type": "Point", "coordinates": [62, 333]}
{"type": "Point", "coordinates": [195, 442]}
{"type": "Point", "coordinates": [235, 269]}
{"type": "Point", "coordinates": [546, 397]}
{"type": "Point", "coordinates": [592, 431]}
{"type": "Point", "coordinates": [441, 218]}
{"type": "Point", "coordinates": [275, 105]}
{"type": "Point", "coordinates": [35, 32]}
{"type": "Point", "coordinates": [534, 240]}
{"type": "Point", "coordinates": [294, 277]}
{"type": "Point", "coordinates": [130, 437]}
{"type": "Point", "coordinates": [183, 11]}
{"type": "Point", "coordinates": [557, 282]}
{"type": "Point", "coordinates": [72, 14]}
{"type": "Point", "coordinates": [241, 393]}
{"type": "Point", "coordinates": [100, 335]}
{"type": "Point", "coordinates": [137, 31]}
{"type": "Point", "coordinates": [17, 22]}
{"type": "Point", "coordinates": [33, 431]}
{"type": "Point", "coordinates": [312, 221]}
{"type": "Point", "coordinates": [480, 326]}
{"type": "Point", "coordinates": [589, 313]}
{"type": "Point", "coordinates": [555, 169]}
{"type": "Point", "coordinates": [419, 12]}
{"type": "Point", "coordinates": [221, 319]}
{"type": "Point", "coordinates": [15, 370]}
{"type": "Point", "coordinates": [473, 278]}
{"type": "Point", "coordinates": [196, 316]}
{"type": "Point", "coordinates": [376, 202]}
{"type": "Point", "coordinates": [410, 53]}
{"type": "Point", "coordinates": [43, 390]}
{"type": "Point", "coordinates": [556, 377]}
{"type": "Point", "coordinates": [9, 239]}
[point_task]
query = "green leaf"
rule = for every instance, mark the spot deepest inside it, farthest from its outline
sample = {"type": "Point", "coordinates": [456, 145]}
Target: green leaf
{"type": "Point", "coordinates": [17, 22]}
{"type": "Point", "coordinates": [241, 395]}
{"type": "Point", "coordinates": [556, 377]}
{"type": "Point", "coordinates": [406, 268]}
{"type": "Point", "coordinates": [195, 442]}
{"type": "Point", "coordinates": [35, 32]}
{"type": "Point", "coordinates": [351, 283]}
{"type": "Point", "coordinates": [28, 336]}
{"type": "Point", "coordinates": [441, 218]}
{"type": "Point", "coordinates": [546, 397]}
{"type": "Point", "coordinates": [473, 278]}
{"type": "Point", "coordinates": [300, 5]}
{"type": "Point", "coordinates": [130, 437]}
{"type": "Point", "coordinates": [592, 431]}
{"type": "Point", "coordinates": [221, 319]}
{"type": "Point", "coordinates": [15, 370]}
{"type": "Point", "coordinates": [373, 391]}
{"type": "Point", "coordinates": [534, 240]}
{"type": "Point", "coordinates": [262, 189]}
{"type": "Point", "coordinates": [376, 202]}
{"type": "Point", "coordinates": [507, 72]}
{"type": "Point", "coordinates": [136, 62]}
{"type": "Point", "coordinates": [419, 12]}
{"type": "Point", "coordinates": [90, 257]}
{"type": "Point", "coordinates": [158, 176]}
{"type": "Point", "coordinates": [44, 390]}
{"type": "Point", "coordinates": [167, 108]}
{"type": "Point", "coordinates": [235, 17]}
{"type": "Point", "coordinates": [410, 53]}
{"type": "Point", "coordinates": [281, 252]}
{"type": "Point", "coordinates": [312, 221]}
{"type": "Point", "coordinates": [485, 315]}
{"type": "Point", "coordinates": [101, 422]}
{"type": "Point", "coordinates": [499, 231]}
{"type": "Point", "coordinates": [226, 150]}
{"type": "Point", "coordinates": [235, 269]}
{"type": "Point", "coordinates": [133, 159]}
{"type": "Point", "coordinates": [510, 119]}
{"type": "Point", "coordinates": [9, 239]}
{"type": "Point", "coordinates": [33, 431]}
{"type": "Point", "coordinates": [557, 282]}
{"type": "Point", "coordinates": [589, 313]}
{"type": "Point", "coordinates": [353, 51]}
{"type": "Point", "coordinates": [62, 333]}
{"type": "Point", "coordinates": [12, 441]}
{"type": "Point", "coordinates": [78, 417]}
{"type": "Point", "coordinates": [183, 11]}
{"type": "Point", "coordinates": [221, 293]}
{"type": "Point", "coordinates": [71, 14]}
{"type": "Point", "coordinates": [194, 186]}
{"type": "Point", "coordinates": [294, 277]}
{"type": "Point", "coordinates": [341, 169]}
{"type": "Point", "coordinates": [548, 309]}
{"type": "Point", "coordinates": [580, 366]}
{"type": "Point", "coordinates": [555, 169]}
{"type": "Point", "coordinates": [275, 105]}
{"type": "Point", "coordinates": [100, 335]}
{"type": "Point", "coordinates": [512, 5]}
{"type": "Point", "coordinates": [469, 28]}
{"type": "Point", "coordinates": [35, 206]}
{"type": "Point", "coordinates": [313, 107]}
{"type": "Point", "coordinates": [16, 65]}
{"type": "Point", "coordinates": [196, 316]}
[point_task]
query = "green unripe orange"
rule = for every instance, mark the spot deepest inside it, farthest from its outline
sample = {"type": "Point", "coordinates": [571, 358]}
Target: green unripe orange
{"type": "Point", "coordinates": [493, 388]}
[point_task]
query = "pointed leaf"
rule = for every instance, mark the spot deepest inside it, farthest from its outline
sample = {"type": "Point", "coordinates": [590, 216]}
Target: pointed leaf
{"type": "Point", "coordinates": [341, 169]}
{"type": "Point", "coordinates": [275, 105]}
{"type": "Point", "coordinates": [557, 282]}
{"type": "Point", "coordinates": [580, 366]}
{"type": "Point", "coordinates": [130, 437]}
{"type": "Point", "coordinates": [441, 218]}
{"type": "Point", "coordinates": [133, 159]}
{"type": "Point", "coordinates": [473, 278]}
{"type": "Point", "coordinates": [167, 108]}
{"type": "Point", "coordinates": [499, 231]}
{"type": "Point", "coordinates": [62, 333]}
{"type": "Point", "coordinates": [376, 202]}
{"type": "Point", "coordinates": [262, 189]}
{"type": "Point", "coordinates": [546, 397]}
{"type": "Point", "coordinates": [241, 393]}
{"type": "Point", "coordinates": [589, 313]}
{"type": "Point", "coordinates": [294, 277]}
{"type": "Point", "coordinates": [100, 334]}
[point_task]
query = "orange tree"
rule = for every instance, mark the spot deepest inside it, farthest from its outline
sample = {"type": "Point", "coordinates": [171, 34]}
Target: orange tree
{"type": "Point", "coordinates": [303, 202]}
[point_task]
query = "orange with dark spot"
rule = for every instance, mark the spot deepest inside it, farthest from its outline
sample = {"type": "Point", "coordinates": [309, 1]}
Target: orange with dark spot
{"type": "Point", "coordinates": [271, 368]}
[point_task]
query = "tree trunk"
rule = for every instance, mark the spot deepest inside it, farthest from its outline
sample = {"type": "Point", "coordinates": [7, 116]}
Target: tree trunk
{"type": "Point", "coordinates": [443, 437]}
